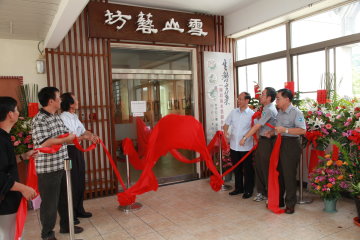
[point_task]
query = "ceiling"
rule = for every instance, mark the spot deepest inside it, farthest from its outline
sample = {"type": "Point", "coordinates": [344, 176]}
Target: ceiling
{"type": "Point", "coordinates": [31, 19]}
{"type": "Point", "coordinates": [214, 7]}
{"type": "Point", "coordinates": [26, 19]}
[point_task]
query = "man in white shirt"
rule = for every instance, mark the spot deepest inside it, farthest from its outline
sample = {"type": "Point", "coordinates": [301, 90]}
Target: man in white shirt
{"type": "Point", "coordinates": [69, 104]}
{"type": "Point", "coordinates": [240, 121]}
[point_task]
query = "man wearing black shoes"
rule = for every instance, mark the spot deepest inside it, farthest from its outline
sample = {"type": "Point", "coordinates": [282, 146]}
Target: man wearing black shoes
{"type": "Point", "coordinates": [240, 121]}
{"type": "Point", "coordinates": [46, 127]}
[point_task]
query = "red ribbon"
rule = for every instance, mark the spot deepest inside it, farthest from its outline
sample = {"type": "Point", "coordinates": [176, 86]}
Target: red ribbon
{"type": "Point", "coordinates": [32, 179]}
{"type": "Point", "coordinates": [273, 178]}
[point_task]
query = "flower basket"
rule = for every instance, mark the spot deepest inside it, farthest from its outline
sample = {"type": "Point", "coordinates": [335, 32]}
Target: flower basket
{"type": "Point", "coordinates": [329, 180]}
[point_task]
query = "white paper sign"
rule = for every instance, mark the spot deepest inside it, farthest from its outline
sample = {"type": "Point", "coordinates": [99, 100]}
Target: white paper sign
{"type": "Point", "coordinates": [138, 106]}
{"type": "Point", "coordinates": [219, 90]}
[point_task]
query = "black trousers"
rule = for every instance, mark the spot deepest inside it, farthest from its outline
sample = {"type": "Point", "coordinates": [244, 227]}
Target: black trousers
{"type": "Point", "coordinates": [262, 160]}
{"type": "Point", "coordinates": [244, 173]}
{"type": "Point", "coordinates": [52, 188]}
{"type": "Point", "coordinates": [290, 152]}
{"type": "Point", "coordinates": [77, 178]}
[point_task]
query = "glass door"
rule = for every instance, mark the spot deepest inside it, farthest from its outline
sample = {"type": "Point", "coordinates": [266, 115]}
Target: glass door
{"type": "Point", "coordinates": [164, 79]}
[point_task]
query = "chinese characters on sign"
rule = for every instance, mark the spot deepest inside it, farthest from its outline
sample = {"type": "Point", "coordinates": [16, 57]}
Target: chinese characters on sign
{"type": "Point", "coordinates": [113, 18]}
{"type": "Point", "coordinates": [145, 23]}
{"type": "Point", "coordinates": [219, 90]}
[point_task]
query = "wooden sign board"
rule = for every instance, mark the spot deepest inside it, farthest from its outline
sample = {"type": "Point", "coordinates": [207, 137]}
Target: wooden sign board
{"type": "Point", "coordinates": [124, 22]}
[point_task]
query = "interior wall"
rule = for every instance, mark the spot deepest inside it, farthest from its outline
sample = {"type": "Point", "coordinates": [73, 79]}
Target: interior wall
{"type": "Point", "coordinates": [18, 57]}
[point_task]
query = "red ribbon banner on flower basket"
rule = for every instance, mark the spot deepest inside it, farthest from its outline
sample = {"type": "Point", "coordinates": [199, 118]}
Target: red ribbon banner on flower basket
{"type": "Point", "coordinates": [290, 86]}
{"type": "Point", "coordinates": [321, 96]}
{"type": "Point", "coordinates": [312, 136]}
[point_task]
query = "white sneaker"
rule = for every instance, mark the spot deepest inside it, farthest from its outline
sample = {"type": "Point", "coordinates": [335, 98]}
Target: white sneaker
{"type": "Point", "coordinates": [259, 197]}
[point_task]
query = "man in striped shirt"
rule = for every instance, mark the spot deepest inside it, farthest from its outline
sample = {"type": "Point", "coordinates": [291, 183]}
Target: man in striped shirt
{"type": "Point", "coordinates": [46, 127]}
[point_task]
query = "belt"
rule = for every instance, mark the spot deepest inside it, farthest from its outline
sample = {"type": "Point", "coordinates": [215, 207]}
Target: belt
{"type": "Point", "coordinates": [288, 137]}
{"type": "Point", "coordinates": [263, 137]}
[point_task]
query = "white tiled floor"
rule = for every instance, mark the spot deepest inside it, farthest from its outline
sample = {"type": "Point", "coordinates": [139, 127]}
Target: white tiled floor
{"type": "Point", "coordinates": [192, 211]}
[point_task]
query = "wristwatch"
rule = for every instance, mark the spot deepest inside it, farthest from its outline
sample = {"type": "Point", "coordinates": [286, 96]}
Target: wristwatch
{"type": "Point", "coordinates": [287, 131]}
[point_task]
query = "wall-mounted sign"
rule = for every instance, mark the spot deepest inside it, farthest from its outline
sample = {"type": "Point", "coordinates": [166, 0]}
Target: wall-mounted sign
{"type": "Point", "coordinates": [219, 90]}
{"type": "Point", "coordinates": [145, 24]}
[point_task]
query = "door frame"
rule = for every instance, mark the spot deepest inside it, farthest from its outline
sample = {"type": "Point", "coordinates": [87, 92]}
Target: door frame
{"type": "Point", "coordinates": [194, 66]}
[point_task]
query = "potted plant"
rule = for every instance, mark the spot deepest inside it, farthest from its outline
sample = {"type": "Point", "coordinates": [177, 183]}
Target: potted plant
{"type": "Point", "coordinates": [328, 180]}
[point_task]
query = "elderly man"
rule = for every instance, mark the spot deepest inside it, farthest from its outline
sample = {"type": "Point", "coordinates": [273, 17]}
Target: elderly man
{"type": "Point", "coordinates": [290, 124]}
{"type": "Point", "coordinates": [240, 121]}
{"type": "Point", "coordinates": [263, 152]}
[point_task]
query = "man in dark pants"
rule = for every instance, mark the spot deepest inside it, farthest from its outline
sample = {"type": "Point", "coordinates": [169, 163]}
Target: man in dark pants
{"type": "Point", "coordinates": [263, 152]}
{"type": "Point", "coordinates": [240, 121]}
{"type": "Point", "coordinates": [69, 105]}
{"type": "Point", "coordinates": [290, 124]}
{"type": "Point", "coordinates": [47, 126]}
{"type": "Point", "coordinates": [11, 191]}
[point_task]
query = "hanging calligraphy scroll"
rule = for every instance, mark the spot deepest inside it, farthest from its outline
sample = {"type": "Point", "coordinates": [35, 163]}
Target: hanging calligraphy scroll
{"type": "Point", "coordinates": [219, 90]}
{"type": "Point", "coordinates": [124, 22]}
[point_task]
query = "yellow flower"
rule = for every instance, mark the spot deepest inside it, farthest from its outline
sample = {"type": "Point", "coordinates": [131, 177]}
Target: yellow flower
{"type": "Point", "coordinates": [329, 163]}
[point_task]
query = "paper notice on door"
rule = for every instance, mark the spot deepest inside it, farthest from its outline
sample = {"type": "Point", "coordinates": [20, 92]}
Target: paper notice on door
{"type": "Point", "coordinates": [138, 107]}
{"type": "Point", "coordinates": [138, 114]}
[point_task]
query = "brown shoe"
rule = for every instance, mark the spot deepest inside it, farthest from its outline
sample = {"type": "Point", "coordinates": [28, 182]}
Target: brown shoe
{"type": "Point", "coordinates": [289, 210]}
{"type": "Point", "coordinates": [77, 229]}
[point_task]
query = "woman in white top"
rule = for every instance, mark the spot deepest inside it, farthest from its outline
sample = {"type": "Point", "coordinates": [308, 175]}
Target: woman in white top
{"type": "Point", "coordinates": [69, 104]}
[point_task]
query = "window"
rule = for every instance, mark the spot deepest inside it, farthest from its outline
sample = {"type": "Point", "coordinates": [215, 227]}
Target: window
{"type": "Point", "coordinates": [269, 41]}
{"type": "Point", "coordinates": [247, 77]}
{"type": "Point", "coordinates": [338, 22]}
{"type": "Point", "coordinates": [348, 70]}
{"type": "Point", "coordinates": [273, 74]}
{"type": "Point", "coordinates": [309, 70]}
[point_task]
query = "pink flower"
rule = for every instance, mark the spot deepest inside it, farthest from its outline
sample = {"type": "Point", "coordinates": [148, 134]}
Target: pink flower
{"type": "Point", "coordinates": [319, 113]}
{"type": "Point", "coordinates": [334, 130]}
{"type": "Point", "coordinates": [16, 143]}
{"type": "Point", "coordinates": [13, 138]}
{"type": "Point", "coordinates": [349, 119]}
{"type": "Point", "coordinates": [20, 134]}
{"type": "Point", "coordinates": [31, 146]}
{"type": "Point", "coordinates": [357, 115]}
{"type": "Point", "coordinates": [346, 124]}
{"type": "Point", "coordinates": [328, 126]}
{"type": "Point", "coordinates": [328, 115]}
{"type": "Point", "coordinates": [338, 116]}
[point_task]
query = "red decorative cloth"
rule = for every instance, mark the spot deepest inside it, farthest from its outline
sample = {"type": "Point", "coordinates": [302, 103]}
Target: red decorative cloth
{"type": "Point", "coordinates": [314, 159]}
{"type": "Point", "coordinates": [171, 132]}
